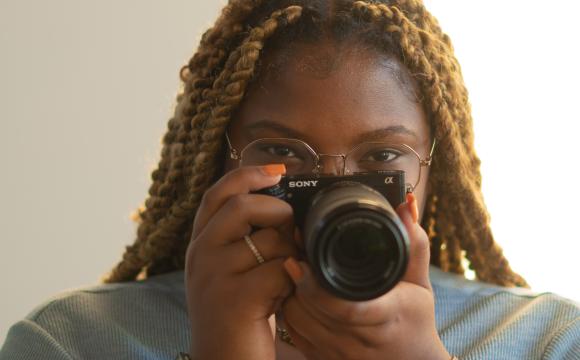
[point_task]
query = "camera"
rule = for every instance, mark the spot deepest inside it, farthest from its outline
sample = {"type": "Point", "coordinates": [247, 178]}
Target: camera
{"type": "Point", "coordinates": [354, 241]}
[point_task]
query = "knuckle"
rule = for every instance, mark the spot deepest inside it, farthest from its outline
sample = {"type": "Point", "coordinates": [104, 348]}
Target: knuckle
{"type": "Point", "coordinates": [275, 245]}
{"type": "Point", "coordinates": [354, 312]}
{"type": "Point", "coordinates": [371, 339]}
{"type": "Point", "coordinates": [195, 254]}
{"type": "Point", "coordinates": [271, 234]}
{"type": "Point", "coordinates": [271, 274]}
{"type": "Point", "coordinates": [196, 265]}
{"type": "Point", "coordinates": [392, 328]}
{"type": "Point", "coordinates": [268, 239]}
{"type": "Point", "coordinates": [210, 196]}
{"type": "Point", "coordinates": [244, 174]}
{"type": "Point", "coordinates": [288, 212]}
{"type": "Point", "coordinates": [237, 204]}
{"type": "Point", "coordinates": [420, 242]}
{"type": "Point", "coordinates": [248, 173]}
{"type": "Point", "coordinates": [421, 237]}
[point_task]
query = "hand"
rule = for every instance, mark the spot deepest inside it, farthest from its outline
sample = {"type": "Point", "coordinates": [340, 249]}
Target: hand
{"type": "Point", "coordinates": [398, 325]}
{"type": "Point", "coordinates": [229, 295]}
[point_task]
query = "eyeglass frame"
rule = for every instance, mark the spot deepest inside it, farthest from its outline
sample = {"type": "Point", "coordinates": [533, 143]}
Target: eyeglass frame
{"type": "Point", "coordinates": [426, 162]}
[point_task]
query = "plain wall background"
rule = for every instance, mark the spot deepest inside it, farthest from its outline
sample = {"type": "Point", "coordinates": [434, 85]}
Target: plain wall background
{"type": "Point", "coordinates": [86, 89]}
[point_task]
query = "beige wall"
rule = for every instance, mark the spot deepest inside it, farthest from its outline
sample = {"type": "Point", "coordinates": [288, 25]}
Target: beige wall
{"type": "Point", "coordinates": [86, 88]}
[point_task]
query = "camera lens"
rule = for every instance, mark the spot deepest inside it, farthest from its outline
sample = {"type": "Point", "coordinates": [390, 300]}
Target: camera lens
{"type": "Point", "coordinates": [355, 243]}
{"type": "Point", "coordinates": [360, 248]}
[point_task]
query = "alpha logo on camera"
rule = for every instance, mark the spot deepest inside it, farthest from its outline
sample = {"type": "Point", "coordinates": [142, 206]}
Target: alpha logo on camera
{"type": "Point", "coordinates": [305, 183]}
{"type": "Point", "coordinates": [389, 180]}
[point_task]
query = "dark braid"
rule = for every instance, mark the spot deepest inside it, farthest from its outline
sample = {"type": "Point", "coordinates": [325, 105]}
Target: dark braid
{"type": "Point", "coordinates": [216, 80]}
{"type": "Point", "coordinates": [429, 223]}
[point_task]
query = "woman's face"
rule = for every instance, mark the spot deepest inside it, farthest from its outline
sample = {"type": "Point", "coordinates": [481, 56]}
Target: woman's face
{"type": "Point", "coordinates": [333, 100]}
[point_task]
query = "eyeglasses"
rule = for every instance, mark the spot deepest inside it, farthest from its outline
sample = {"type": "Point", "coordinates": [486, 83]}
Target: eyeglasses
{"type": "Point", "coordinates": [300, 158]}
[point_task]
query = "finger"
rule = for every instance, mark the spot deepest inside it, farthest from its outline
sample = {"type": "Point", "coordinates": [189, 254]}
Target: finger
{"type": "Point", "coordinates": [418, 267]}
{"type": "Point", "coordinates": [332, 342]}
{"type": "Point", "coordinates": [303, 344]}
{"type": "Point", "coordinates": [332, 309]}
{"type": "Point", "coordinates": [305, 326]}
{"type": "Point", "coordinates": [362, 324]}
{"type": "Point", "coordinates": [267, 281]}
{"type": "Point", "coordinates": [270, 244]}
{"type": "Point", "coordinates": [301, 316]}
{"type": "Point", "coordinates": [242, 212]}
{"type": "Point", "coordinates": [239, 181]}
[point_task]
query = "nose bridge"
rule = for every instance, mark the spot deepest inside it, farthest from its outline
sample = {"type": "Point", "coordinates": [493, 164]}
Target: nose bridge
{"type": "Point", "coordinates": [332, 164]}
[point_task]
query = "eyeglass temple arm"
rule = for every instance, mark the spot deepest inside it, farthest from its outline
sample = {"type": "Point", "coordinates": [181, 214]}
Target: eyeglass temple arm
{"type": "Point", "coordinates": [423, 162]}
{"type": "Point", "coordinates": [427, 161]}
{"type": "Point", "coordinates": [233, 152]}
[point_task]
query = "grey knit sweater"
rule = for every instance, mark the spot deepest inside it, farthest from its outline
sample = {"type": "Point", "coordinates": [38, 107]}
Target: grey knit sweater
{"type": "Point", "coordinates": [148, 320]}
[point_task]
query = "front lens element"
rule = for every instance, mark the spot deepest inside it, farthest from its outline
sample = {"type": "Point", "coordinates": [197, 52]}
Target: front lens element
{"type": "Point", "coordinates": [362, 254]}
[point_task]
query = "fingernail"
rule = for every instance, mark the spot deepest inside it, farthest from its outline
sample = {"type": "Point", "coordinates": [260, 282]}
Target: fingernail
{"type": "Point", "coordinates": [293, 269]}
{"type": "Point", "coordinates": [412, 201]}
{"type": "Point", "coordinates": [274, 169]}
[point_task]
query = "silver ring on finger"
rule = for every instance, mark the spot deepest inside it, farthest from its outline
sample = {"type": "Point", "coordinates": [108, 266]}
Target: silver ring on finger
{"type": "Point", "coordinates": [254, 249]}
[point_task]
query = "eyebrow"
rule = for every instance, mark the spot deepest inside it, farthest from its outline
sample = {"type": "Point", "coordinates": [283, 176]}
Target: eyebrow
{"type": "Point", "coordinates": [373, 135]}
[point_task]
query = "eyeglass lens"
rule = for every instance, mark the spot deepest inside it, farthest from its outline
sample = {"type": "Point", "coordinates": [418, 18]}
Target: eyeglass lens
{"type": "Point", "coordinates": [300, 159]}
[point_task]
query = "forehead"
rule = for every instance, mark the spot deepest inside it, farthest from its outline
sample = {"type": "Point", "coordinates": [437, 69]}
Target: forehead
{"type": "Point", "coordinates": [321, 60]}
{"type": "Point", "coordinates": [331, 95]}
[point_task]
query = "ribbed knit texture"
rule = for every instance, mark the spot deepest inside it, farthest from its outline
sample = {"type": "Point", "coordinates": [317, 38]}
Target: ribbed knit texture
{"type": "Point", "coordinates": [148, 320]}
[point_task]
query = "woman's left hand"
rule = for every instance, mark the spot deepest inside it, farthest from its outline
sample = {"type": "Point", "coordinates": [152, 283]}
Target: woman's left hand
{"type": "Point", "coordinates": [398, 325]}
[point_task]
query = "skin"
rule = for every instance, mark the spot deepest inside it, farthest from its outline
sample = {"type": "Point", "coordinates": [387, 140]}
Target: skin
{"type": "Point", "coordinates": [232, 301]}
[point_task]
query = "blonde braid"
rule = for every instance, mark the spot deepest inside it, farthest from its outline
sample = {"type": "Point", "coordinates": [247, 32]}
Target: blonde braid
{"type": "Point", "coordinates": [418, 14]}
{"type": "Point", "coordinates": [226, 93]}
{"type": "Point", "coordinates": [176, 153]}
{"type": "Point", "coordinates": [446, 100]}
{"type": "Point", "coordinates": [429, 223]}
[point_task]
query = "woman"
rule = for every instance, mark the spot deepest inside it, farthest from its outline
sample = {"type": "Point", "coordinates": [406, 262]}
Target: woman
{"type": "Point", "coordinates": [221, 268]}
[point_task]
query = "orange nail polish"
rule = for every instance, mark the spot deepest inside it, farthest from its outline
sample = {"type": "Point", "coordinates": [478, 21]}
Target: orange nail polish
{"type": "Point", "coordinates": [274, 169]}
{"type": "Point", "coordinates": [412, 201]}
{"type": "Point", "coordinates": [293, 269]}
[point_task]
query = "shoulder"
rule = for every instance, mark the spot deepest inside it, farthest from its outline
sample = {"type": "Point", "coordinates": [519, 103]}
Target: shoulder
{"type": "Point", "coordinates": [126, 296]}
{"type": "Point", "coordinates": [478, 319]}
{"type": "Point", "coordinates": [118, 320]}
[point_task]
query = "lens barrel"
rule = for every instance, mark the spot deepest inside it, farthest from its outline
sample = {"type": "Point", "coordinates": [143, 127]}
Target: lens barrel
{"type": "Point", "coordinates": [356, 244]}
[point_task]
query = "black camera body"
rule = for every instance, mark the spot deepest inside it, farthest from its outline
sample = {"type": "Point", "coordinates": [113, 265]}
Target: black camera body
{"type": "Point", "coordinates": [355, 243]}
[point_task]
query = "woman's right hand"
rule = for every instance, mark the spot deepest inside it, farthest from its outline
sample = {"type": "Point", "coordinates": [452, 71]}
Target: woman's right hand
{"type": "Point", "coordinates": [230, 297]}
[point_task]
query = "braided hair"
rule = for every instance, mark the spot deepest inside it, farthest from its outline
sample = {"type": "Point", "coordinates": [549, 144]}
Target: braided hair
{"type": "Point", "coordinates": [228, 62]}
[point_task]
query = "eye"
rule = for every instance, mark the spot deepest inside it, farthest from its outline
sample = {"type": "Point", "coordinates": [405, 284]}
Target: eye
{"type": "Point", "coordinates": [382, 155]}
{"type": "Point", "coordinates": [279, 150]}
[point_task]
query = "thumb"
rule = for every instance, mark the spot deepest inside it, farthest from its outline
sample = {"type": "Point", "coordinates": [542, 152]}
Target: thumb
{"type": "Point", "coordinates": [418, 267]}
